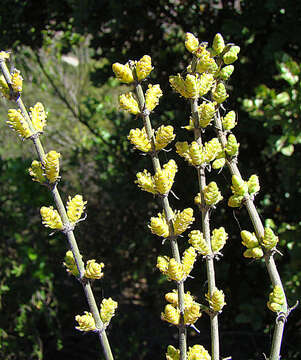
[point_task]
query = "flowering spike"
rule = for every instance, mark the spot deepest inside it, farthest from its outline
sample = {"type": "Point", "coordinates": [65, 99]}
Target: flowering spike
{"type": "Point", "coordinates": [218, 43]}
{"type": "Point", "coordinates": [51, 218]}
{"type": "Point", "coordinates": [152, 96]}
{"type": "Point", "coordinates": [229, 121]}
{"type": "Point", "coordinates": [94, 270]}
{"type": "Point", "coordinates": [269, 240]}
{"type": "Point", "coordinates": [107, 310]}
{"type": "Point", "coordinates": [175, 270]}
{"type": "Point", "coordinates": [146, 182]}
{"type": "Point", "coordinates": [231, 55]}
{"type": "Point", "coordinates": [164, 136]}
{"type": "Point", "coordinates": [86, 322]}
{"type": "Point", "coordinates": [123, 73]}
{"type": "Point", "coordinates": [192, 314]}
{"type": "Point", "coordinates": [144, 67]}
{"type": "Point", "coordinates": [206, 112]}
{"type": "Point", "coordinates": [198, 352]}
{"type": "Point", "coordinates": [212, 194]}
{"type": "Point", "coordinates": [18, 123]}
{"type": "Point", "coordinates": [159, 226]}
{"type": "Point", "coordinates": [253, 184]}
{"type": "Point", "coordinates": [188, 259]}
{"type": "Point", "coordinates": [182, 221]}
{"type": "Point", "coordinates": [36, 172]}
{"type": "Point", "coordinates": [38, 116]}
{"type": "Point", "coordinates": [172, 353]}
{"type": "Point", "coordinates": [70, 264]}
{"type": "Point", "coordinates": [239, 187]}
{"type": "Point", "coordinates": [219, 94]}
{"type": "Point", "coordinates": [217, 300]}
{"type": "Point", "coordinates": [164, 178]}
{"type": "Point", "coordinates": [226, 72]}
{"type": "Point", "coordinates": [139, 139]}
{"type": "Point", "coordinates": [191, 42]}
{"type": "Point", "coordinates": [171, 315]}
{"type": "Point", "coordinates": [232, 146]}
{"type": "Point", "coordinates": [197, 240]}
{"type": "Point", "coordinates": [249, 239]}
{"type": "Point", "coordinates": [276, 299]}
{"type": "Point", "coordinates": [75, 208]}
{"type": "Point", "coordinates": [52, 166]}
{"type": "Point", "coordinates": [218, 239]}
{"type": "Point", "coordinates": [16, 81]}
{"type": "Point", "coordinates": [128, 103]}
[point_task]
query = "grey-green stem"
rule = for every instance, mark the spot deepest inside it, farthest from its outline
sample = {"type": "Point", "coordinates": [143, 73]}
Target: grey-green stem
{"type": "Point", "coordinates": [70, 235]}
{"type": "Point", "coordinates": [259, 230]}
{"type": "Point", "coordinates": [169, 217]}
{"type": "Point", "coordinates": [206, 233]}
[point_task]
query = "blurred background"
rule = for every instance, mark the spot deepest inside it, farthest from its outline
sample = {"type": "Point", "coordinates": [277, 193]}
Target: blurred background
{"type": "Point", "coordinates": [65, 50]}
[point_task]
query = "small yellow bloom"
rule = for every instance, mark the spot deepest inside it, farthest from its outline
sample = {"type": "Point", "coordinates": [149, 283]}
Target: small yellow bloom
{"type": "Point", "coordinates": [52, 166]}
{"type": "Point", "coordinates": [217, 300]}
{"type": "Point", "coordinates": [172, 297]}
{"type": "Point", "coordinates": [232, 146]}
{"type": "Point", "coordinates": [152, 96]}
{"type": "Point", "coordinates": [218, 239]}
{"type": "Point", "coordinates": [107, 310]}
{"type": "Point", "coordinates": [192, 314]}
{"type": "Point", "coordinates": [253, 184]}
{"type": "Point", "coordinates": [175, 270]}
{"type": "Point", "coordinates": [164, 178]}
{"type": "Point", "coordinates": [171, 314]}
{"type": "Point", "coordinates": [229, 121]}
{"type": "Point", "coordinates": [276, 299]}
{"type": "Point", "coordinates": [212, 194]}
{"type": "Point", "coordinates": [123, 73]}
{"type": "Point", "coordinates": [197, 240]}
{"type": "Point", "coordinates": [51, 218]}
{"type": "Point", "coordinates": [146, 182]}
{"type": "Point", "coordinates": [139, 139]}
{"type": "Point", "coordinates": [219, 94]}
{"type": "Point", "coordinates": [159, 226]}
{"type": "Point", "coordinates": [198, 352]}
{"type": "Point", "coordinates": [70, 264]}
{"type": "Point", "coordinates": [162, 263]}
{"type": "Point", "coordinates": [144, 67]}
{"type": "Point", "coordinates": [164, 136]}
{"type": "Point", "coordinates": [183, 220]}
{"type": "Point", "coordinates": [188, 260]}
{"type": "Point", "coordinates": [231, 55]}
{"type": "Point", "coordinates": [38, 116]}
{"type": "Point", "coordinates": [172, 353]}
{"type": "Point", "coordinates": [75, 208]}
{"type": "Point", "coordinates": [254, 253]}
{"type": "Point", "coordinates": [249, 240]}
{"type": "Point", "coordinates": [239, 186]}
{"type": "Point", "coordinates": [206, 112]}
{"type": "Point", "coordinates": [94, 270]}
{"type": "Point", "coordinates": [218, 44]}
{"type": "Point", "coordinates": [4, 88]}
{"type": "Point", "coordinates": [36, 172]}
{"type": "Point", "coordinates": [269, 240]}
{"type": "Point", "coordinates": [128, 103]}
{"type": "Point", "coordinates": [86, 322]}
{"type": "Point", "coordinates": [16, 81]}
{"type": "Point", "coordinates": [4, 55]}
{"type": "Point", "coordinates": [18, 123]}
{"type": "Point", "coordinates": [191, 42]}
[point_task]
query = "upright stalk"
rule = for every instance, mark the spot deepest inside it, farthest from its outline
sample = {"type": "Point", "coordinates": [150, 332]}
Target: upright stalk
{"type": "Point", "coordinates": [69, 232]}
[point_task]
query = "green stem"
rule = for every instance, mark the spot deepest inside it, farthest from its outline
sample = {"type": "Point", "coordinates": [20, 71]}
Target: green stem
{"type": "Point", "coordinates": [259, 230]}
{"type": "Point", "coordinates": [169, 218]}
{"type": "Point", "coordinates": [70, 235]}
{"type": "Point", "coordinates": [206, 234]}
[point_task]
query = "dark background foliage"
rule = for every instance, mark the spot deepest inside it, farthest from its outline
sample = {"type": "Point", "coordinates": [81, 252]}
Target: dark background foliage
{"type": "Point", "coordinates": [38, 301]}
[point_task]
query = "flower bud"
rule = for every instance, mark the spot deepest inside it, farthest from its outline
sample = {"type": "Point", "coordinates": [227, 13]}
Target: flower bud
{"type": "Point", "coordinates": [231, 55]}
{"type": "Point", "coordinates": [188, 260]}
{"type": "Point", "coordinates": [226, 72]}
{"type": "Point", "coordinates": [51, 218]}
{"type": "Point", "coordinates": [239, 187]}
{"type": "Point", "coordinates": [152, 96]}
{"type": "Point", "coordinates": [218, 163]}
{"type": "Point", "coordinates": [276, 299]}
{"type": "Point", "coordinates": [107, 310]}
{"type": "Point", "coordinates": [218, 239]}
{"type": "Point", "coordinates": [70, 264]}
{"type": "Point", "coordinates": [269, 240]}
{"type": "Point", "coordinates": [146, 182]}
{"type": "Point", "coordinates": [94, 270]}
{"type": "Point", "coordinates": [16, 81]}
{"type": "Point", "coordinates": [144, 67]}
{"type": "Point", "coordinates": [36, 172]}
{"type": "Point", "coordinates": [198, 352]}
{"type": "Point", "coordinates": [197, 240]}
{"type": "Point", "coordinates": [128, 103]}
{"type": "Point", "coordinates": [162, 263]}
{"type": "Point", "coordinates": [159, 226]}
{"type": "Point", "coordinates": [139, 139]}
{"type": "Point", "coordinates": [164, 136]}
{"type": "Point", "coordinates": [212, 194]}
{"type": "Point", "coordinates": [232, 146]}
{"type": "Point", "coordinates": [219, 94]}
{"type": "Point", "coordinates": [218, 44]}
{"type": "Point", "coordinates": [38, 116]}
{"type": "Point", "coordinates": [75, 208]}
{"type": "Point", "coordinates": [17, 122]}
{"type": "Point", "coordinates": [182, 221]}
{"type": "Point", "coordinates": [172, 353]}
{"type": "Point", "coordinates": [206, 112]}
{"type": "Point", "coordinates": [253, 184]}
{"type": "Point", "coordinates": [172, 297]}
{"type": "Point", "coordinates": [229, 121]}
{"type": "Point", "coordinates": [255, 253]}
{"type": "Point", "coordinates": [123, 73]}
{"type": "Point", "coordinates": [235, 201]}
{"type": "Point", "coordinates": [249, 239]}
{"type": "Point", "coordinates": [217, 300]}
{"type": "Point", "coordinates": [171, 315]}
{"type": "Point", "coordinates": [175, 270]}
{"type": "Point", "coordinates": [86, 322]}
{"type": "Point", "coordinates": [191, 42]}
{"type": "Point", "coordinates": [4, 88]}
{"type": "Point", "coordinates": [192, 314]}
{"type": "Point", "coordinates": [164, 178]}
{"type": "Point", "coordinates": [51, 166]}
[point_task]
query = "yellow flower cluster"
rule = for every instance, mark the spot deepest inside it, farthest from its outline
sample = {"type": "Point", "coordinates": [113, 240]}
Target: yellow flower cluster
{"type": "Point", "coordinates": [94, 270]}
{"type": "Point", "coordinates": [4, 88]}
{"type": "Point", "coordinates": [218, 44]}
{"type": "Point", "coordinates": [229, 121]}
{"type": "Point", "coordinates": [218, 239]}
{"type": "Point", "coordinates": [196, 352]}
{"type": "Point", "coordinates": [206, 112]}
{"type": "Point", "coordinates": [174, 270]}
{"type": "Point", "coordinates": [193, 86]}
{"type": "Point", "coordinates": [217, 300]}
{"type": "Point", "coordinates": [16, 81]}
{"type": "Point", "coordinates": [197, 240]}
{"type": "Point", "coordinates": [269, 240]}
{"type": "Point", "coordinates": [51, 218]}
{"type": "Point", "coordinates": [75, 208]}
{"type": "Point", "coordinates": [128, 103]}
{"type": "Point", "coordinates": [250, 241]}
{"type": "Point", "coordinates": [144, 67]}
{"type": "Point", "coordinates": [107, 310]}
{"type": "Point", "coordinates": [38, 116]}
{"type": "Point", "coordinates": [161, 182]}
{"type": "Point", "coordinates": [197, 154]}
{"type": "Point", "coordinates": [171, 312]}
{"type": "Point", "coordinates": [51, 166]}
{"type": "Point", "coordinates": [125, 74]}
{"type": "Point", "coordinates": [219, 93]}
{"type": "Point", "coordinates": [86, 322]}
{"type": "Point", "coordinates": [276, 299]}
{"type": "Point", "coordinates": [239, 189]}
{"type": "Point", "coordinates": [36, 172]}
{"type": "Point", "coordinates": [226, 72]}
{"type": "Point", "coordinates": [212, 194]}
{"type": "Point", "coordinates": [164, 136]}
{"type": "Point", "coordinates": [70, 263]}
{"type": "Point", "coordinates": [253, 184]}
{"type": "Point", "coordinates": [152, 96]}
{"type": "Point", "coordinates": [191, 42]}
{"type": "Point", "coordinates": [232, 146]}
{"type": "Point", "coordinates": [231, 55]}
{"type": "Point", "coordinates": [18, 123]}
{"type": "Point", "coordinates": [159, 226]}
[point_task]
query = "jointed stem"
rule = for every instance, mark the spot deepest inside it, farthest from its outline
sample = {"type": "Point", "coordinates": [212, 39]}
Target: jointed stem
{"type": "Point", "coordinates": [269, 256]}
{"type": "Point", "coordinates": [69, 234]}
{"type": "Point", "coordinates": [169, 218]}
